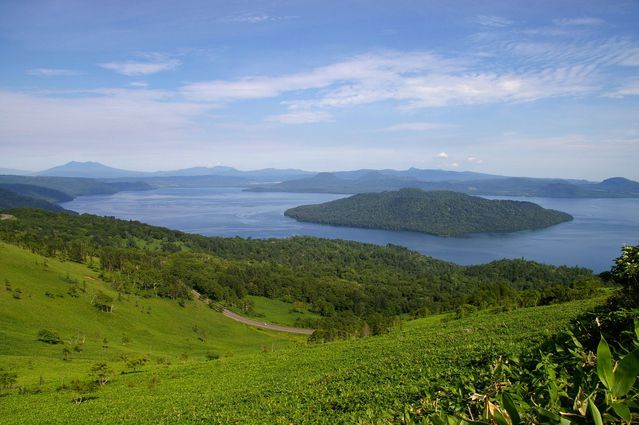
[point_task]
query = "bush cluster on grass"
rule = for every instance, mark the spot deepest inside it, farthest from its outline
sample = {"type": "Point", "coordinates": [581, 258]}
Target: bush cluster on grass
{"type": "Point", "coordinates": [49, 337]}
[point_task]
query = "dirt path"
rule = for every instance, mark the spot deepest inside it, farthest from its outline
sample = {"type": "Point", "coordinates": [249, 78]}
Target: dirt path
{"type": "Point", "coordinates": [256, 323]}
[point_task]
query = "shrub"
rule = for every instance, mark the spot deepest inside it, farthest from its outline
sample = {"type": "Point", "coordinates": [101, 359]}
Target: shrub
{"type": "Point", "coordinates": [135, 364]}
{"type": "Point", "coordinates": [49, 337]}
{"type": "Point", "coordinates": [82, 390]}
{"type": "Point", "coordinates": [625, 272]}
{"type": "Point", "coordinates": [212, 356]}
{"type": "Point", "coordinates": [103, 302]}
{"type": "Point", "coordinates": [7, 379]}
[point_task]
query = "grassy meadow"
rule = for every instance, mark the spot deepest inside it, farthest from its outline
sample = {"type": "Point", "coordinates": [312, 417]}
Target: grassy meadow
{"type": "Point", "coordinates": [279, 312]}
{"type": "Point", "coordinates": [44, 293]}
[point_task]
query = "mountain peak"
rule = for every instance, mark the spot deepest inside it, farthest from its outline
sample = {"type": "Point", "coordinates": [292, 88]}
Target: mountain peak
{"type": "Point", "coordinates": [88, 169]}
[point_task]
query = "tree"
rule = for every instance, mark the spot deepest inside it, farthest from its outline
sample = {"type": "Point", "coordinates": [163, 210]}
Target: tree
{"type": "Point", "coordinates": [625, 272]}
{"type": "Point", "coordinates": [101, 373]}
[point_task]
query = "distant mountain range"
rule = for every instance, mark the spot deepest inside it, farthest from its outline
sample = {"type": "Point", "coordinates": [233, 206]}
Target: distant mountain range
{"type": "Point", "coordinates": [494, 186]}
{"type": "Point", "coordinates": [95, 170]}
{"type": "Point", "coordinates": [415, 174]}
{"type": "Point", "coordinates": [12, 171]}
{"type": "Point", "coordinates": [343, 182]}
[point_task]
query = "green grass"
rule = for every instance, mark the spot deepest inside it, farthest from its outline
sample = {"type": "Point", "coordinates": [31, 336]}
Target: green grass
{"type": "Point", "coordinates": [369, 380]}
{"type": "Point", "coordinates": [151, 327]}
{"type": "Point", "coordinates": [278, 312]}
{"type": "Point", "coordinates": [260, 377]}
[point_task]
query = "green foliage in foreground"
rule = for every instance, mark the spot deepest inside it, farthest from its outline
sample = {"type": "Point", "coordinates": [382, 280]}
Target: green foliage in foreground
{"type": "Point", "coordinates": [442, 213]}
{"type": "Point", "coordinates": [571, 380]}
{"type": "Point", "coordinates": [425, 366]}
{"type": "Point", "coordinates": [566, 382]}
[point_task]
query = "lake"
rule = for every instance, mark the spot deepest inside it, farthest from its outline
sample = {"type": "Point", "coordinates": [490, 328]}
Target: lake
{"type": "Point", "coordinates": [593, 239]}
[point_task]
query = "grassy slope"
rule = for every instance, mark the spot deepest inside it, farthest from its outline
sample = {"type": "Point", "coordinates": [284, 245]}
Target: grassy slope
{"type": "Point", "coordinates": [157, 328]}
{"type": "Point", "coordinates": [277, 311]}
{"type": "Point", "coordinates": [357, 381]}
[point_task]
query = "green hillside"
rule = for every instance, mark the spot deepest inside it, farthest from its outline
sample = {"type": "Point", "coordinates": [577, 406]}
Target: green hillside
{"type": "Point", "coordinates": [370, 380]}
{"type": "Point", "coordinates": [352, 288]}
{"type": "Point", "coordinates": [44, 293]}
{"type": "Point", "coordinates": [442, 213]}
{"type": "Point", "coordinates": [73, 186]}
{"type": "Point", "coordinates": [40, 192]}
{"type": "Point", "coordinates": [10, 199]}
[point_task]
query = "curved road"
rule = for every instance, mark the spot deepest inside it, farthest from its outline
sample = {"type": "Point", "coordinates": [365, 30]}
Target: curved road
{"type": "Point", "coordinates": [255, 323]}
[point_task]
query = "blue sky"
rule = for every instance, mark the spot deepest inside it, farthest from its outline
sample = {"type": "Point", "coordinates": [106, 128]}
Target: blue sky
{"type": "Point", "coordinates": [535, 88]}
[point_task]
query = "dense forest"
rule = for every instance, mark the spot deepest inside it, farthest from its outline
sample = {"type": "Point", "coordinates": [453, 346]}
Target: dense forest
{"type": "Point", "coordinates": [442, 213]}
{"type": "Point", "coordinates": [353, 286]}
{"type": "Point", "coordinates": [12, 199]}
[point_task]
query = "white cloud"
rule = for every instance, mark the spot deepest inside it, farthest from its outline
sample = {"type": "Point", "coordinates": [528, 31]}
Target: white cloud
{"type": "Point", "coordinates": [584, 20]}
{"type": "Point", "coordinates": [369, 68]}
{"type": "Point", "coordinates": [474, 160]}
{"type": "Point", "coordinates": [52, 72]}
{"type": "Point", "coordinates": [455, 165]}
{"type": "Point", "coordinates": [415, 126]}
{"type": "Point", "coordinates": [254, 18]}
{"type": "Point", "coordinates": [442, 155]}
{"type": "Point", "coordinates": [302, 117]}
{"type": "Point", "coordinates": [139, 84]}
{"type": "Point", "coordinates": [412, 79]}
{"type": "Point", "coordinates": [493, 21]}
{"type": "Point", "coordinates": [113, 117]}
{"type": "Point", "coordinates": [593, 54]}
{"type": "Point", "coordinates": [630, 88]}
{"type": "Point", "coordinates": [135, 68]}
{"type": "Point", "coordinates": [632, 59]}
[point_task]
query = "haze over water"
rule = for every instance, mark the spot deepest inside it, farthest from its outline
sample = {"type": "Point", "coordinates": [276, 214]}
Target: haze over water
{"type": "Point", "coordinates": [593, 239]}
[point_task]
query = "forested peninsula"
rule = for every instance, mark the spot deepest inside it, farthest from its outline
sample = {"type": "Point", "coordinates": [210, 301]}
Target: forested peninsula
{"type": "Point", "coordinates": [441, 213]}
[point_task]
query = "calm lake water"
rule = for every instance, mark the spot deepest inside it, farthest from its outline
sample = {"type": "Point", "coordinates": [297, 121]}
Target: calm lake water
{"type": "Point", "coordinates": [593, 239]}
